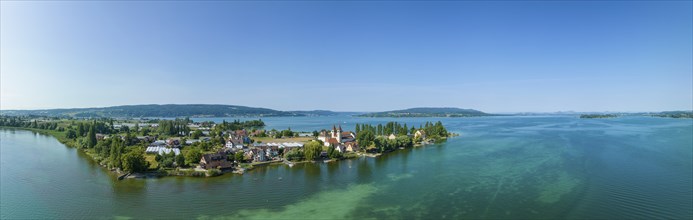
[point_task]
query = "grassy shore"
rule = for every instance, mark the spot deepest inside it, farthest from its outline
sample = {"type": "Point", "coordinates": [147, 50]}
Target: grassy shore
{"type": "Point", "coordinates": [60, 135]}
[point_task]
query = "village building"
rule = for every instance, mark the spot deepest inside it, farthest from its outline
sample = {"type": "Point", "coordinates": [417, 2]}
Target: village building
{"type": "Point", "coordinates": [173, 142]}
{"type": "Point", "coordinates": [340, 148]}
{"type": "Point", "coordinates": [260, 156]}
{"type": "Point", "coordinates": [351, 146]}
{"type": "Point", "coordinates": [158, 143]}
{"type": "Point", "coordinates": [235, 142]}
{"type": "Point", "coordinates": [336, 136]}
{"type": "Point", "coordinates": [420, 134]}
{"type": "Point", "coordinates": [215, 160]}
{"type": "Point", "coordinates": [392, 137]}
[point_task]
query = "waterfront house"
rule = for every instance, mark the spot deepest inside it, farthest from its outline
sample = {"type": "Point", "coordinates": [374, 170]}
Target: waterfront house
{"type": "Point", "coordinates": [392, 137]}
{"type": "Point", "coordinates": [340, 148]}
{"type": "Point", "coordinates": [420, 134]}
{"type": "Point", "coordinates": [259, 156]}
{"type": "Point", "coordinates": [351, 146]}
{"type": "Point", "coordinates": [215, 160]}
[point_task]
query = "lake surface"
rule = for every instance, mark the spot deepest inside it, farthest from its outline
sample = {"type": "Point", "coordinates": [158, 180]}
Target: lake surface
{"type": "Point", "coordinates": [499, 167]}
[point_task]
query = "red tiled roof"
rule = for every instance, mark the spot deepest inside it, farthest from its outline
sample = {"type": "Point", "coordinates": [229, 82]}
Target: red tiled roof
{"type": "Point", "coordinates": [333, 141]}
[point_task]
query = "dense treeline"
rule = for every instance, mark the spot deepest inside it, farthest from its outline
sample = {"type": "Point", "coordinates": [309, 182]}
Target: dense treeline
{"type": "Point", "coordinates": [26, 122]}
{"type": "Point", "coordinates": [387, 129]}
{"type": "Point", "coordinates": [178, 127]}
{"type": "Point", "coordinates": [374, 138]}
{"type": "Point", "coordinates": [239, 125]}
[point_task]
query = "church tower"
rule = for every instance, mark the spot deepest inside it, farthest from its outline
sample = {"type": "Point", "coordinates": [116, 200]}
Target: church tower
{"type": "Point", "coordinates": [339, 134]}
{"type": "Point", "coordinates": [332, 133]}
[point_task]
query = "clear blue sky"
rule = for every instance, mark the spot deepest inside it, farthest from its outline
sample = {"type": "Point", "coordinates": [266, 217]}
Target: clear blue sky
{"type": "Point", "coordinates": [350, 56]}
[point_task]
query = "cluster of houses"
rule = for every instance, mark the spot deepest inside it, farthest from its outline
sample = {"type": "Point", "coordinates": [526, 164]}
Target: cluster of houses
{"type": "Point", "coordinates": [240, 141]}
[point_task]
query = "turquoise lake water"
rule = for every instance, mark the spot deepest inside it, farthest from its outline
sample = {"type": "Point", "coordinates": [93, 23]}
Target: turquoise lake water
{"type": "Point", "coordinates": [499, 167]}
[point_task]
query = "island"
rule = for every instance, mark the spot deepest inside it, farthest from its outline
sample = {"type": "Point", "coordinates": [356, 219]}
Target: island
{"type": "Point", "coordinates": [428, 112]}
{"type": "Point", "coordinates": [144, 148]}
{"type": "Point", "coordinates": [674, 114]}
{"type": "Point", "coordinates": [599, 116]}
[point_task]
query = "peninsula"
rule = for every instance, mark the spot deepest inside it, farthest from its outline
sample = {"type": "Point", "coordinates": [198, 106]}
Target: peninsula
{"type": "Point", "coordinates": [181, 147]}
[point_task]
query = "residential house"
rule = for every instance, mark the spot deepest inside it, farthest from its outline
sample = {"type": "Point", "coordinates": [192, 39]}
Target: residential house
{"type": "Point", "coordinates": [392, 137]}
{"type": "Point", "coordinates": [235, 142]}
{"type": "Point", "coordinates": [340, 148]}
{"type": "Point", "coordinates": [215, 160]}
{"type": "Point", "coordinates": [351, 146]}
{"type": "Point", "coordinates": [260, 156]}
{"type": "Point", "coordinates": [420, 134]}
{"type": "Point", "coordinates": [173, 142]}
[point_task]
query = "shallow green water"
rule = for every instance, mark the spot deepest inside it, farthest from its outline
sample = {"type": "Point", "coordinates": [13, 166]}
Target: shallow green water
{"type": "Point", "coordinates": [500, 167]}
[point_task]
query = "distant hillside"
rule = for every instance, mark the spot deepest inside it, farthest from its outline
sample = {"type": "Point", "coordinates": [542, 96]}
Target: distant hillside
{"type": "Point", "coordinates": [171, 110]}
{"type": "Point", "coordinates": [428, 112]}
{"type": "Point", "coordinates": [315, 113]}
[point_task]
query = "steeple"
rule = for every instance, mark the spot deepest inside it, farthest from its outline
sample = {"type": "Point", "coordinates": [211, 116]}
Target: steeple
{"type": "Point", "coordinates": [332, 133]}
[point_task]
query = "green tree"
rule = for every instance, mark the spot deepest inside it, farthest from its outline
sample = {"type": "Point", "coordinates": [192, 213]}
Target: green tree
{"type": "Point", "coordinates": [145, 131]}
{"type": "Point", "coordinates": [71, 134]}
{"type": "Point", "coordinates": [294, 155]}
{"type": "Point", "coordinates": [311, 150]}
{"type": "Point", "coordinates": [193, 156]}
{"type": "Point", "coordinates": [238, 156]}
{"type": "Point", "coordinates": [365, 138]}
{"type": "Point", "coordinates": [196, 134]}
{"type": "Point", "coordinates": [91, 139]}
{"type": "Point", "coordinates": [134, 161]}
{"type": "Point", "coordinates": [180, 160]}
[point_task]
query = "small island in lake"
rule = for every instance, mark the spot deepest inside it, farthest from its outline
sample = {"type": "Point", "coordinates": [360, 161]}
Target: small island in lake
{"type": "Point", "coordinates": [181, 147]}
{"type": "Point", "coordinates": [599, 116]}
